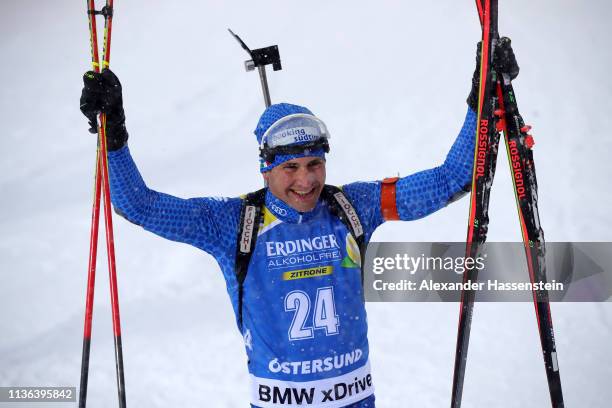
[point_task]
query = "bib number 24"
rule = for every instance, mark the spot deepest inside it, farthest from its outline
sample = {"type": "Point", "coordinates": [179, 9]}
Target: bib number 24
{"type": "Point", "coordinates": [323, 317]}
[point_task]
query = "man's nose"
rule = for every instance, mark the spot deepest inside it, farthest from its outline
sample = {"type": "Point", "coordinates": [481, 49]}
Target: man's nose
{"type": "Point", "coordinates": [304, 177]}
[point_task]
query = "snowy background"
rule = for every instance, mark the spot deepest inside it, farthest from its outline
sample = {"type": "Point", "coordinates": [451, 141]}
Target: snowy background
{"type": "Point", "coordinates": [390, 78]}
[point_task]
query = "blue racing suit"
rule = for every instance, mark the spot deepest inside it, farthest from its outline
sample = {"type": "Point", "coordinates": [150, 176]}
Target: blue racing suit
{"type": "Point", "coordinates": [304, 320]}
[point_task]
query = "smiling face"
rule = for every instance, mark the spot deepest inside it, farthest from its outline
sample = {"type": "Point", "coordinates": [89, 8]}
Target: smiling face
{"type": "Point", "coordinates": [298, 182]}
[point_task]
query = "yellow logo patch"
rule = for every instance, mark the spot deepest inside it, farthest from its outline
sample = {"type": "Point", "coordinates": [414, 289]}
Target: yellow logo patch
{"type": "Point", "coordinates": [308, 273]}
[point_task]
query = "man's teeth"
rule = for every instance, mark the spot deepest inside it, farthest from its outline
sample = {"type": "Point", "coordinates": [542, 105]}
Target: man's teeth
{"type": "Point", "coordinates": [302, 193]}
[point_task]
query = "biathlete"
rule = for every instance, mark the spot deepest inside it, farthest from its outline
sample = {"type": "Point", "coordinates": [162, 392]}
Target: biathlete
{"type": "Point", "coordinates": [291, 252]}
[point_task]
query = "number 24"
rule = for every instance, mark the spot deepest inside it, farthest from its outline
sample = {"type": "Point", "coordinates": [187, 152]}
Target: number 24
{"type": "Point", "coordinates": [324, 317]}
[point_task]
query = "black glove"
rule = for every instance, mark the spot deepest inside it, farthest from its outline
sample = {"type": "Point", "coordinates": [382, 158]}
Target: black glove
{"type": "Point", "coordinates": [102, 93]}
{"type": "Point", "coordinates": [504, 62]}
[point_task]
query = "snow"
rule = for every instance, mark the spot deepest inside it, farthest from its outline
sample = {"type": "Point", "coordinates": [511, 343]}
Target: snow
{"type": "Point", "coordinates": [390, 82]}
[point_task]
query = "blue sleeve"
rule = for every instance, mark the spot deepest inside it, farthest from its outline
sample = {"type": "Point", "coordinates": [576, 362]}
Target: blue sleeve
{"type": "Point", "coordinates": [365, 197]}
{"type": "Point", "coordinates": [425, 192]}
{"type": "Point", "coordinates": [208, 223]}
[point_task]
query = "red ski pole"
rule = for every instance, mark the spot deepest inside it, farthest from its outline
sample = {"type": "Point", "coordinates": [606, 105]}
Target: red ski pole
{"type": "Point", "coordinates": [101, 185]}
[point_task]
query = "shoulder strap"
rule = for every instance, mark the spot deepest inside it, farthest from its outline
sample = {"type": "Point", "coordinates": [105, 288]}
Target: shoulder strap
{"type": "Point", "coordinates": [342, 208]}
{"type": "Point", "coordinates": [251, 214]}
{"type": "Point", "coordinates": [250, 218]}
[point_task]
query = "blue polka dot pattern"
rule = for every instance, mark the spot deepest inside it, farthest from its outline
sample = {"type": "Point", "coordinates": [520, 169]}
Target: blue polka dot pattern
{"type": "Point", "coordinates": [272, 114]}
{"type": "Point", "coordinates": [208, 223]}
{"type": "Point", "coordinates": [275, 112]}
{"type": "Point", "coordinates": [422, 193]}
{"type": "Point", "coordinates": [281, 158]}
{"type": "Point", "coordinates": [365, 197]}
{"type": "Point", "coordinates": [211, 224]}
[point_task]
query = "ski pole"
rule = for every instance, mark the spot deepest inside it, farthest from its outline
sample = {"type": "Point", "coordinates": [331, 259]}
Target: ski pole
{"type": "Point", "coordinates": [101, 184]}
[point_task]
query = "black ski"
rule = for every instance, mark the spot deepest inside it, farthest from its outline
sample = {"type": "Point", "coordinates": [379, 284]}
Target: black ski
{"type": "Point", "coordinates": [485, 158]}
{"type": "Point", "coordinates": [520, 157]}
{"type": "Point", "coordinates": [519, 145]}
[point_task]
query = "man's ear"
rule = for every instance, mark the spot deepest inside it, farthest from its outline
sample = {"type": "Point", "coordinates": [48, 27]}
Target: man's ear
{"type": "Point", "coordinates": [266, 175]}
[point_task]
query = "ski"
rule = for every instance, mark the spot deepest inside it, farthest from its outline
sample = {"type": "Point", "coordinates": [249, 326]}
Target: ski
{"type": "Point", "coordinates": [520, 158]}
{"type": "Point", "coordinates": [485, 158]}
{"type": "Point", "coordinates": [519, 145]}
{"type": "Point", "coordinates": [101, 187]}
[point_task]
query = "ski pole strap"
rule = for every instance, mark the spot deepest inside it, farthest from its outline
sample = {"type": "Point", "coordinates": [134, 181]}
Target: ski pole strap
{"type": "Point", "coordinates": [388, 204]}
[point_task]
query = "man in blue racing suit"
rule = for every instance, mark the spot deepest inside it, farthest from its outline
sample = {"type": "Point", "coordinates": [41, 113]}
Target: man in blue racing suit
{"type": "Point", "coordinates": [299, 301]}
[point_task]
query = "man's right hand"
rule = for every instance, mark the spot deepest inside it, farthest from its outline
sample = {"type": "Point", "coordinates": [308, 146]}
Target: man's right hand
{"type": "Point", "coordinates": [102, 94]}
